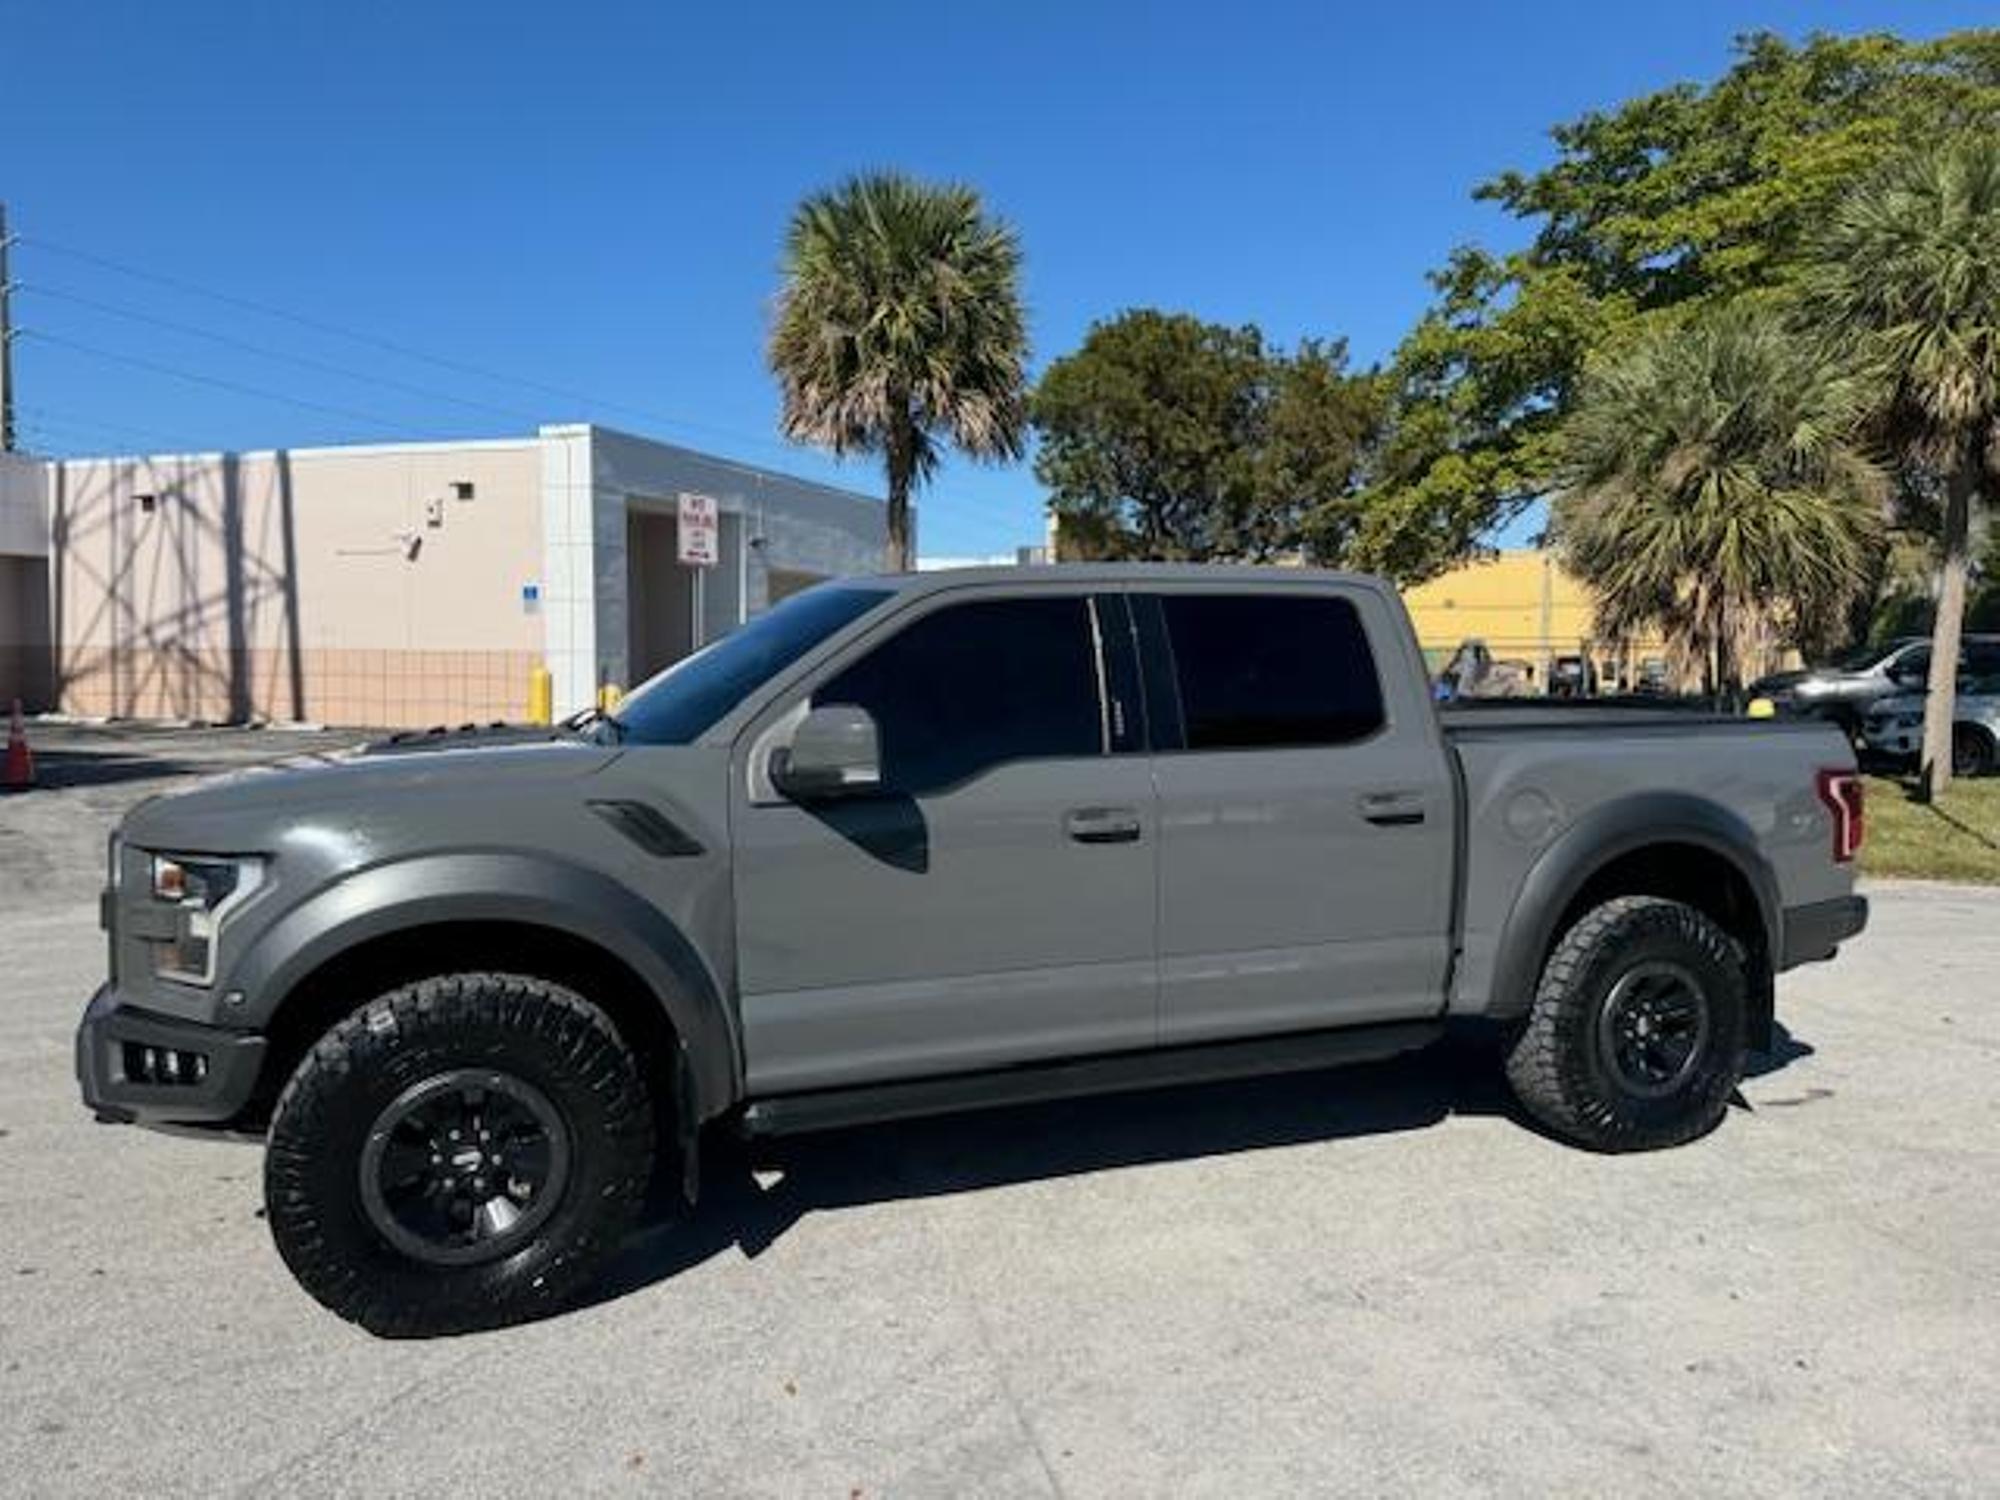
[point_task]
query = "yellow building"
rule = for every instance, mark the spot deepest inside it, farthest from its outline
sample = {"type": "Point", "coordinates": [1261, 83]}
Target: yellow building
{"type": "Point", "coordinates": [1526, 608]}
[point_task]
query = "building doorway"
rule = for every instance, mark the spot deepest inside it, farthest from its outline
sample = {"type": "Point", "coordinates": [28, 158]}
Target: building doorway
{"type": "Point", "coordinates": [660, 593]}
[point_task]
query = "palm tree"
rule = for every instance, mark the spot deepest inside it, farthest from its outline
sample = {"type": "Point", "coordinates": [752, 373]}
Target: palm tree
{"type": "Point", "coordinates": [1908, 273]}
{"type": "Point", "coordinates": [900, 329]}
{"type": "Point", "coordinates": [1710, 491]}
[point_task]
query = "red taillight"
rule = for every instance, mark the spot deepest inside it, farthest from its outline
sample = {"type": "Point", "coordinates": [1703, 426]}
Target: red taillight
{"type": "Point", "coordinates": [1841, 793]}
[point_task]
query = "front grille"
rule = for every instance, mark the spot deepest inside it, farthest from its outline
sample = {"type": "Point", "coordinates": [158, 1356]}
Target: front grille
{"type": "Point", "coordinates": [164, 1067]}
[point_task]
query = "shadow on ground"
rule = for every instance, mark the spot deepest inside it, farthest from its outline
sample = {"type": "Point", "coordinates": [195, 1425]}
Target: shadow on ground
{"type": "Point", "coordinates": [1032, 1143]}
{"type": "Point", "coordinates": [57, 769]}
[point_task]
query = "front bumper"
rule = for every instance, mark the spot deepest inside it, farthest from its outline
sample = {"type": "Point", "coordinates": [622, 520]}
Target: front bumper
{"type": "Point", "coordinates": [1891, 742]}
{"type": "Point", "coordinates": [136, 1067]}
{"type": "Point", "coordinates": [1814, 932]}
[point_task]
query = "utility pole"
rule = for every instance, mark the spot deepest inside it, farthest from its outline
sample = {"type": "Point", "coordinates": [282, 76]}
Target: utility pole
{"type": "Point", "coordinates": [6, 346]}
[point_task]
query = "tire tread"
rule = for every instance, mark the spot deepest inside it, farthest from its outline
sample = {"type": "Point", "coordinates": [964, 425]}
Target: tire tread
{"type": "Point", "coordinates": [1549, 1066]}
{"type": "Point", "coordinates": [433, 1011]}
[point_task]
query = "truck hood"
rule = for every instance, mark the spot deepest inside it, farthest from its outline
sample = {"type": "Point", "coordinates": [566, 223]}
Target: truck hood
{"type": "Point", "coordinates": [247, 811]}
{"type": "Point", "coordinates": [1778, 682]}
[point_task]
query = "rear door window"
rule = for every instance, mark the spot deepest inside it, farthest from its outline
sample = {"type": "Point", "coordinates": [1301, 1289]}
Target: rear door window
{"type": "Point", "coordinates": [1271, 671]}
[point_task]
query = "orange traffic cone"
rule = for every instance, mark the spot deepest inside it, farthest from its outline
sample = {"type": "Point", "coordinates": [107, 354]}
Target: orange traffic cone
{"type": "Point", "coordinates": [19, 772]}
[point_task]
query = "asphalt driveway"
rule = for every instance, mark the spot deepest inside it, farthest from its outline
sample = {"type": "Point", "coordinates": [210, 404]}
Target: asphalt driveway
{"type": "Point", "coordinates": [1370, 1282]}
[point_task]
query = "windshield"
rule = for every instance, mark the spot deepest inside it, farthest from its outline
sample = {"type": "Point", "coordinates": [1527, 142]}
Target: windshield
{"type": "Point", "coordinates": [1862, 657]}
{"type": "Point", "coordinates": [674, 706]}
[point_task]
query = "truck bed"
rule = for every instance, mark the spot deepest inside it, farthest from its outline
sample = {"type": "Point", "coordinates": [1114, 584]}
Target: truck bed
{"type": "Point", "coordinates": [1594, 774]}
{"type": "Point", "coordinates": [1480, 716]}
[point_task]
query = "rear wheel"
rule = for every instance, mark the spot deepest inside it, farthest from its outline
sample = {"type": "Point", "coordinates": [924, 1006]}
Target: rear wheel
{"type": "Point", "coordinates": [461, 1152]}
{"type": "Point", "coordinates": [1972, 751]}
{"type": "Point", "coordinates": [1637, 1035]}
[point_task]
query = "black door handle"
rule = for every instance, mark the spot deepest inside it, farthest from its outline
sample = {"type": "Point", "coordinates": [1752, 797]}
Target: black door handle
{"type": "Point", "coordinates": [1102, 825]}
{"type": "Point", "coordinates": [1392, 809]}
{"type": "Point", "coordinates": [1395, 819]}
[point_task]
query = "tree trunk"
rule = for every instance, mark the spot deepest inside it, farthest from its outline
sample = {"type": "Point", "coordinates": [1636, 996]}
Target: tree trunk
{"type": "Point", "coordinates": [1726, 683]}
{"type": "Point", "coordinates": [1941, 703]}
{"type": "Point", "coordinates": [902, 464]}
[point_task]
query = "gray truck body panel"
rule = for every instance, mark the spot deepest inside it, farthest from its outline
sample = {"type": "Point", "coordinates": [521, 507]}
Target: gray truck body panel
{"type": "Point", "coordinates": [1411, 875]}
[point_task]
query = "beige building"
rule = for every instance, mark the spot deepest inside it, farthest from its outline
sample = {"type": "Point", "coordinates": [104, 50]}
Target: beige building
{"type": "Point", "coordinates": [25, 665]}
{"type": "Point", "coordinates": [394, 585]}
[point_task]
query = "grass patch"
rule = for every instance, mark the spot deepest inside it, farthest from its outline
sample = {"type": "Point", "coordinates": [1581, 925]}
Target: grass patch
{"type": "Point", "coordinates": [1958, 839]}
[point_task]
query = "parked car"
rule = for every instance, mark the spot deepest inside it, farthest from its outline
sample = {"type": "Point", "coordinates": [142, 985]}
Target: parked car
{"type": "Point", "coordinates": [1572, 677]}
{"type": "Point", "coordinates": [935, 842]}
{"type": "Point", "coordinates": [1653, 679]}
{"type": "Point", "coordinates": [1894, 727]}
{"type": "Point", "coordinates": [1846, 689]}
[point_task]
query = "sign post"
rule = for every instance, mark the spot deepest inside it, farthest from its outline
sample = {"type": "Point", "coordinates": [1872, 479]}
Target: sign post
{"type": "Point", "coordinates": [698, 537]}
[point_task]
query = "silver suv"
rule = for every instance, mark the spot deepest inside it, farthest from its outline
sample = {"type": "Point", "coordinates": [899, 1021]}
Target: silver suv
{"type": "Point", "coordinates": [1848, 688]}
{"type": "Point", "coordinates": [1894, 727]}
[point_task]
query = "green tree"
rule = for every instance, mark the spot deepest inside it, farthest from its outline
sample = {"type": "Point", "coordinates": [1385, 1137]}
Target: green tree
{"type": "Point", "coordinates": [1167, 437]}
{"type": "Point", "coordinates": [1713, 493]}
{"type": "Point", "coordinates": [900, 331]}
{"type": "Point", "coordinates": [1908, 278]}
{"type": "Point", "coordinates": [1690, 196]}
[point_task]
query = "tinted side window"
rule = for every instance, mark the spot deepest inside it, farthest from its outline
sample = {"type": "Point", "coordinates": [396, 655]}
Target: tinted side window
{"type": "Point", "coordinates": [972, 685]}
{"type": "Point", "coordinates": [1913, 665]}
{"type": "Point", "coordinates": [1982, 658]}
{"type": "Point", "coordinates": [1261, 670]}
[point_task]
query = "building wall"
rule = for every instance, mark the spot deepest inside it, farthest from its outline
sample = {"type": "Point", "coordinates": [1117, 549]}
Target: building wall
{"type": "Point", "coordinates": [354, 585]}
{"type": "Point", "coordinates": [344, 585]}
{"type": "Point", "coordinates": [1523, 604]}
{"type": "Point", "coordinates": [25, 664]}
{"type": "Point", "coordinates": [24, 517]}
{"type": "Point", "coordinates": [768, 522]}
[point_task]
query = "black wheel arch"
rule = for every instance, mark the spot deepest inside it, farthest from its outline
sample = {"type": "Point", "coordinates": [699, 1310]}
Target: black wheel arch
{"type": "Point", "coordinates": [395, 923]}
{"type": "Point", "coordinates": [1667, 844]}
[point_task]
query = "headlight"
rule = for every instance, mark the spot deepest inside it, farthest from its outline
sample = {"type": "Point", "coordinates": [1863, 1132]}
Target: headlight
{"type": "Point", "coordinates": [202, 891]}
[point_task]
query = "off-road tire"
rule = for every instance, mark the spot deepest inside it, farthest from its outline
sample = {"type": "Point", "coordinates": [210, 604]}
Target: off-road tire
{"type": "Point", "coordinates": [1558, 1066]}
{"type": "Point", "coordinates": [561, 1046]}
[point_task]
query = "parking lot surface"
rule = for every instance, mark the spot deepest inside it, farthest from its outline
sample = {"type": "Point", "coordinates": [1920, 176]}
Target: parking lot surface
{"type": "Point", "coordinates": [1374, 1282]}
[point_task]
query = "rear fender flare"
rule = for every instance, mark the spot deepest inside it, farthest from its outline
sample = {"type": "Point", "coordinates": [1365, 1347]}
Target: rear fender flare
{"type": "Point", "coordinates": [1605, 834]}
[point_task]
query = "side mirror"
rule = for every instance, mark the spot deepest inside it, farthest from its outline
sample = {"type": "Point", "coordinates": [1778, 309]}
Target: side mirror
{"type": "Point", "coordinates": [835, 752]}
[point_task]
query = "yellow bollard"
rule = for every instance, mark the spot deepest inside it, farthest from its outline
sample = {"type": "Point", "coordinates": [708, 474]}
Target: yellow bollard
{"type": "Point", "coordinates": [541, 696]}
{"type": "Point", "coordinates": [1762, 708]}
{"type": "Point", "coordinates": [608, 697]}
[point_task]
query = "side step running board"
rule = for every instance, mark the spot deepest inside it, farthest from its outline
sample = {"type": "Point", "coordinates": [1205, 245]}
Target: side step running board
{"type": "Point", "coordinates": [1293, 1052]}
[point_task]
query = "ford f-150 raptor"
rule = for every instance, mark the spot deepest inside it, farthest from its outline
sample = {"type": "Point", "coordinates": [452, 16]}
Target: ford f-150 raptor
{"type": "Point", "coordinates": [913, 844]}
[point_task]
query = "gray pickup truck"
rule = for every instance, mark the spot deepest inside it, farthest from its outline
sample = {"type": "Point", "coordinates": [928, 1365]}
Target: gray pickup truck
{"type": "Point", "coordinates": [915, 844]}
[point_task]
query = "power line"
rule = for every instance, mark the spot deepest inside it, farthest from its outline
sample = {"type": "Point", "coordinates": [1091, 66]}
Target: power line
{"type": "Point", "coordinates": [157, 368]}
{"type": "Point", "coordinates": [979, 508]}
{"type": "Point", "coordinates": [264, 352]}
{"type": "Point", "coordinates": [390, 346]}
{"type": "Point", "coordinates": [45, 416]}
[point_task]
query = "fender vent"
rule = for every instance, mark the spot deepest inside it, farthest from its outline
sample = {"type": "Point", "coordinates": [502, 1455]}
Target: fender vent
{"type": "Point", "coordinates": [649, 828]}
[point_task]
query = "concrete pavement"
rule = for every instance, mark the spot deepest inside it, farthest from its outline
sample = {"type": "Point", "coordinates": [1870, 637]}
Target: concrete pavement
{"type": "Point", "coordinates": [1367, 1282]}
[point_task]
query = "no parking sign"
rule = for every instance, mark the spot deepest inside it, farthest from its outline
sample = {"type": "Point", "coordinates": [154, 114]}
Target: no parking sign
{"type": "Point", "coordinates": [699, 531]}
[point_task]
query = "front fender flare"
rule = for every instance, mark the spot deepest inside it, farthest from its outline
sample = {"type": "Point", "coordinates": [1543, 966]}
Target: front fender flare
{"type": "Point", "coordinates": [1602, 835]}
{"type": "Point", "coordinates": [482, 886]}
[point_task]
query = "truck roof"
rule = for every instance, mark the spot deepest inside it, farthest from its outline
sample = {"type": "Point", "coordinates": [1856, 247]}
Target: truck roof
{"type": "Point", "coordinates": [1252, 575]}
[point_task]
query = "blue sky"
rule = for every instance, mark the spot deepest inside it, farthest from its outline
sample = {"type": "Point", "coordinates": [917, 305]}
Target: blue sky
{"type": "Point", "coordinates": [590, 197]}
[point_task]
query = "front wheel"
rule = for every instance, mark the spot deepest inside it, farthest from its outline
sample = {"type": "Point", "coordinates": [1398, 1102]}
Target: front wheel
{"type": "Point", "coordinates": [1637, 1035]}
{"type": "Point", "coordinates": [461, 1152]}
{"type": "Point", "coordinates": [1972, 751]}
